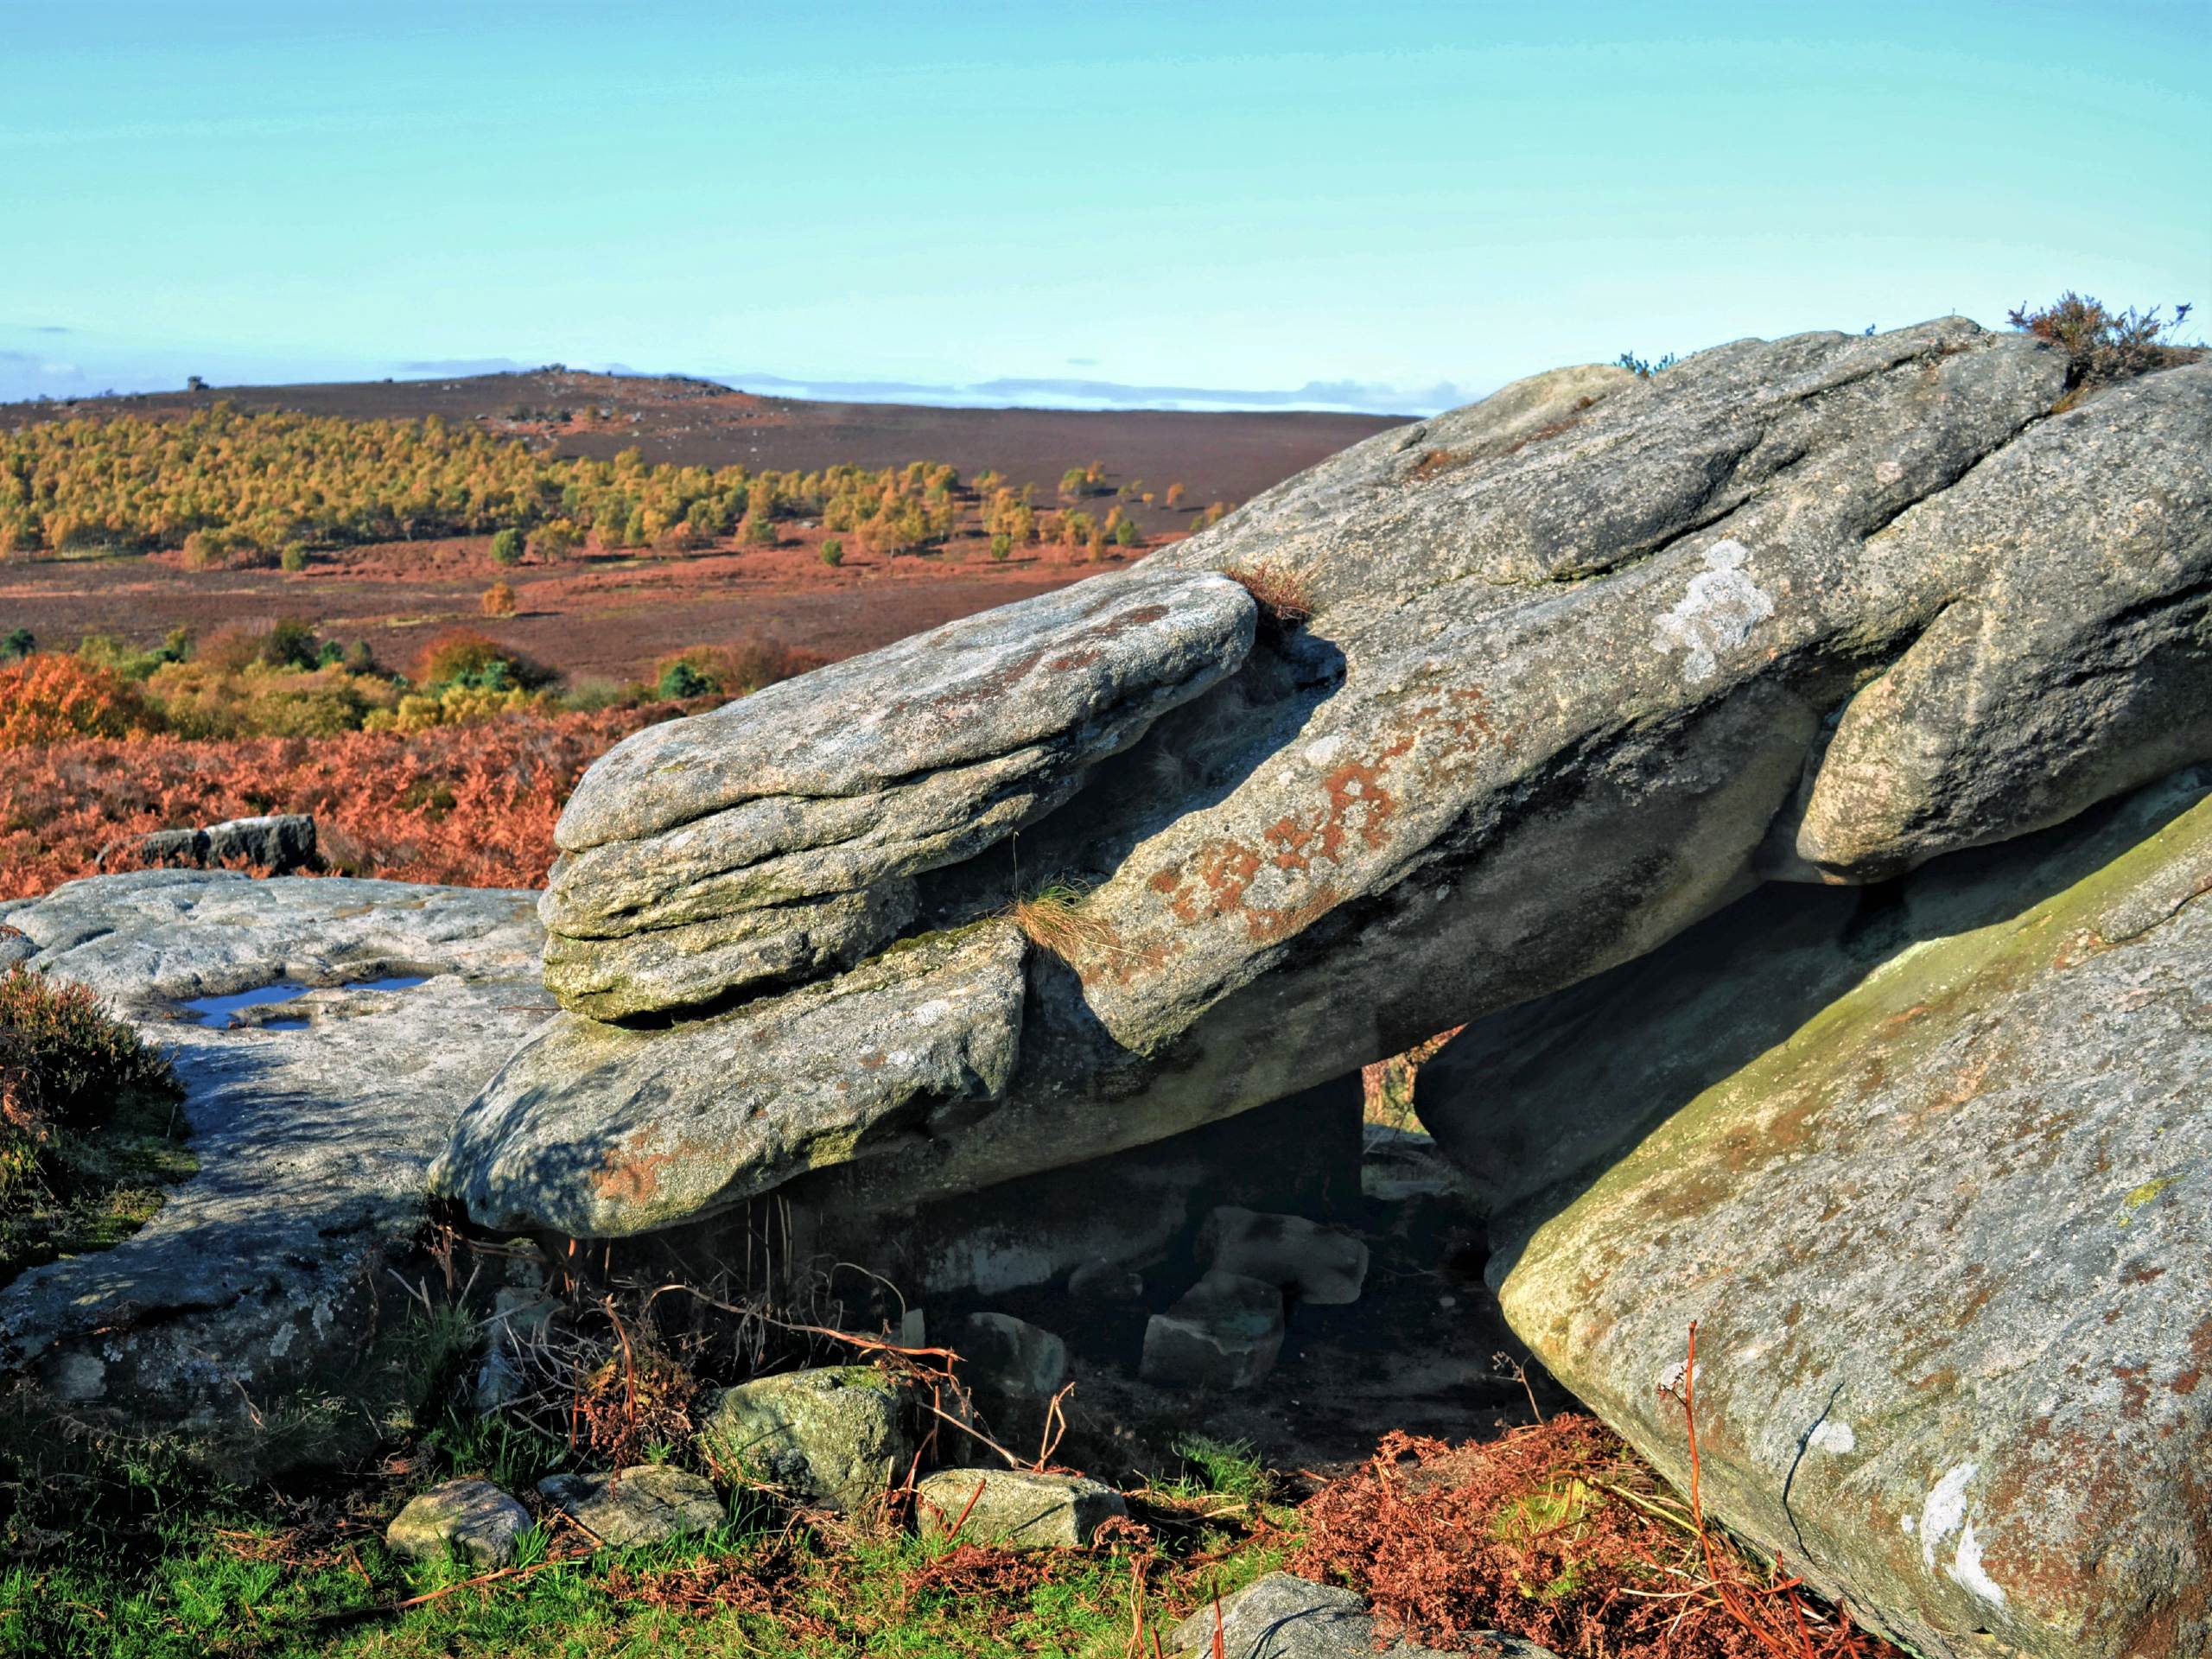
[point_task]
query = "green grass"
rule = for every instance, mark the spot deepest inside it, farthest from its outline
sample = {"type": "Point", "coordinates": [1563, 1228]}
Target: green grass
{"type": "Point", "coordinates": [1215, 1468]}
{"type": "Point", "coordinates": [197, 1592]}
{"type": "Point", "coordinates": [120, 1549]}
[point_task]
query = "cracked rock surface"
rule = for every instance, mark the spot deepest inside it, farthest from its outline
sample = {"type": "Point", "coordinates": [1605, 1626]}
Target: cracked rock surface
{"type": "Point", "coordinates": [1532, 687]}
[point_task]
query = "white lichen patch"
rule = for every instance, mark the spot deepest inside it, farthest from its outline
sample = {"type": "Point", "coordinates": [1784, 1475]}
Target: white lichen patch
{"type": "Point", "coordinates": [1966, 1568]}
{"type": "Point", "coordinates": [1717, 613]}
{"type": "Point", "coordinates": [1944, 1512]}
{"type": "Point", "coordinates": [1834, 1435]}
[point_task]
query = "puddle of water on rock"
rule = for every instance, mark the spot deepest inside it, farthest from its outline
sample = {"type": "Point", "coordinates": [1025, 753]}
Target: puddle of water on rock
{"type": "Point", "coordinates": [215, 1012]}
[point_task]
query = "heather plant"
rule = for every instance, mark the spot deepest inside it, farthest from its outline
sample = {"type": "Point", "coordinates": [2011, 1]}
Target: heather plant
{"type": "Point", "coordinates": [88, 1128]}
{"type": "Point", "coordinates": [2102, 345]}
{"type": "Point", "coordinates": [471, 804]}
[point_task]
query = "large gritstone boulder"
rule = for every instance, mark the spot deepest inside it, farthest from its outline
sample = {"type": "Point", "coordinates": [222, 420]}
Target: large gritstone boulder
{"type": "Point", "coordinates": [339, 1024]}
{"type": "Point", "coordinates": [776, 837]}
{"type": "Point", "coordinates": [1515, 696]}
{"type": "Point", "coordinates": [1931, 1171]}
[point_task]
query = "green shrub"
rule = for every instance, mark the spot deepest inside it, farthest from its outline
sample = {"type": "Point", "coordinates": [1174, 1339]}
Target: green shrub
{"type": "Point", "coordinates": [833, 551]}
{"type": "Point", "coordinates": [680, 681]}
{"type": "Point", "coordinates": [1644, 369]}
{"type": "Point", "coordinates": [1125, 533]}
{"type": "Point", "coordinates": [729, 670]}
{"type": "Point", "coordinates": [16, 644]}
{"type": "Point", "coordinates": [294, 558]}
{"type": "Point", "coordinates": [506, 546]}
{"type": "Point", "coordinates": [290, 643]}
{"type": "Point", "coordinates": [1002, 544]}
{"type": "Point", "coordinates": [464, 658]}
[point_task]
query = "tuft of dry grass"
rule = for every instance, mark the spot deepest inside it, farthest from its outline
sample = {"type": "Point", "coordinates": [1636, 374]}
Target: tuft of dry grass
{"type": "Point", "coordinates": [1055, 920]}
{"type": "Point", "coordinates": [1285, 604]}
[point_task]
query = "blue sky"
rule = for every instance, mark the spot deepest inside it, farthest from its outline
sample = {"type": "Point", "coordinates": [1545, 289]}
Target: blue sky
{"type": "Point", "coordinates": [1421, 201]}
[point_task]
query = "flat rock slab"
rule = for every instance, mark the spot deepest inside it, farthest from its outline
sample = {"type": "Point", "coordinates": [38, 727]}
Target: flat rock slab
{"type": "Point", "coordinates": [600, 1130]}
{"type": "Point", "coordinates": [647, 1504]}
{"type": "Point", "coordinates": [251, 1287]}
{"type": "Point", "coordinates": [830, 1437]}
{"type": "Point", "coordinates": [1017, 1509]}
{"type": "Point", "coordinates": [471, 1519]}
{"type": "Point", "coordinates": [1933, 1181]}
{"type": "Point", "coordinates": [1284, 1617]}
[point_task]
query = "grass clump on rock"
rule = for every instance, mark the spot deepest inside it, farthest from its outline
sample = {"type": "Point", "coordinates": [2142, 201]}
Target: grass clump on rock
{"type": "Point", "coordinates": [89, 1129]}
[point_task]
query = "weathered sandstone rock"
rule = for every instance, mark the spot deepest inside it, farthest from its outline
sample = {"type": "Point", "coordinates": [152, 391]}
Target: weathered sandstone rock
{"type": "Point", "coordinates": [1572, 666]}
{"type": "Point", "coordinates": [277, 844]}
{"type": "Point", "coordinates": [1017, 1509]}
{"type": "Point", "coordinates": [247, 1300]}
{"type": "Point", "coordinates": [471, 1519]}
{"type": "Point", "coordinates": [1226, 1332]}
{"type": "Point", "coordinates": [1931, 1169]}
{"type": "Point", "coordinates": [606, 1129]}
{"type": "Point", "coordinates": [647, 1504]}
{"type": "Point", "coordinates": [1304, 1258]}
{"type": "Point", "coordinates": [774, 837]}
{"type": "Point", "coordinates": [834, 1437]}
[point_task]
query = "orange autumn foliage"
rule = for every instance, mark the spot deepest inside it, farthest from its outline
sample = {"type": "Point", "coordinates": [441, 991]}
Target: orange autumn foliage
{"type": "Point", "coordinates": [472, 804]}
{"type": "Point", "coordinates": [46, 699]}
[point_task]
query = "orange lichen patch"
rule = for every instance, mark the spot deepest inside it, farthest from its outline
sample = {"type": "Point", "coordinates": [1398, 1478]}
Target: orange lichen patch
{"type": "Point", "coordinates": [1354, 812]}
{"type": "Point", "coordinates": [1430, 465]}
{"type": "Point", "coordinates": [630, 1174]}
{"type": "Point", "coordinates": [1553, 429]}
{"type": "Point", "coordinates": [1354, 788]}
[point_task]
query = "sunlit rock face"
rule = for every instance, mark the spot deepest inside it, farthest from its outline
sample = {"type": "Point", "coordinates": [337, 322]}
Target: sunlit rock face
{"type": "Point", "coordinates": [1930, 1171]}
{"type": "Point", "coordinates": [1514, 696]}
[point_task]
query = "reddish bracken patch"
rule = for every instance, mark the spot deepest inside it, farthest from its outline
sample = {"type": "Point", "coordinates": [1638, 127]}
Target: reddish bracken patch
{"type": "Point", "coordinates": [473, 805]}
{"type": "Point", "coordinates": [1559, 1534]}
